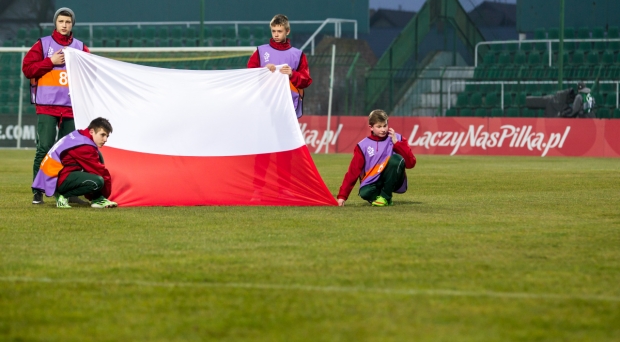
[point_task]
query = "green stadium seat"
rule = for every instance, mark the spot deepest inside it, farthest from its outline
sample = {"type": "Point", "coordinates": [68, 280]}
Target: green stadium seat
{"type": "Point", "coordinates": [206, 36]}
{"type": "Point", "coordinates": [578, 58]}
{"type": "Point", "coordinates": [21, 43]}
{"type": "Point", "coordinates": [554, 33]}
{"type": "Point", "coordinates": [98, 43]}
{"type": "Point", "coordinates": [569, 33]}
{"type": "Point", "coordinates": [529, 113]}
{"type": "Point", "coordinates": [149, 33]}
{"type": "Point", "coordinates": [124, 33]}
{"type": "Point", "coordinates": [176, 42]}
{"type": "Point", "coordinates": [176, 33]}
{"type": "Point", "coordinates": [462, 100]}
{"type": "Point", "coordinates": [513, 47]}
{"type": "Point", "coordinates": [508, 101]}
{"type": "Point", "coordinates": [475, 100]}
{"type": "Point", "coordinates": [520, 99]}
{"type": "Point", "coordinates": [496, 48]}
{"type": "Point", "coordinates": [231, 33]}
{"type": "Point", "coordinates": [451, 112]}
{"type": "Point", "coordinates": [217, 35]}
{"type": "Point", "coordinates": [465, 112]}
{"type": "Point", "coordinates": [505, 58]}
{"type": "Point", "coordinates": [231, 41]}
{"type": "Point", "coordinates": [123, 43]}
{"type": "Point", "coordinates": [610, 100]}
{"type": "Point", "coordinates": [136, 33]}
{"type": "Point", "coordinates": [190, 33]}
{"type": "Point", "coordinates": [97, 33]}
{"type": "Point", "coordinates": [599, 33]}
{"type": "Point", "coordinates": [481, 112]}
{"type": "Point", "coordinates": [216, 42]}
{"type": "Point", "coordinates": [7, 43]}
{"type": "Point", "coordinates": [540, 34]}
{"type": "Point", "coordinates": [497, 112]}
{"type": "Point", "coordinates": [489, 58]}
{"type": "Point", "coordinates": [150, 43]}
{"type": "Point", "coordinates": [512, 112]}
{"type": "Point", "coordinates": [534, 58]}
{"type": "Point", "coordinates": [526, 47]}
{"type": "Point", "coordinates": [531, 88]}
{"type": "Point", "coordinates": [593, 58]}
{"type": "Point", "coordinates": [191, 42]}
{"type": "Point", "coordinates": [33, 34]}
{"type": "Point", "coordinates": [111, 33]}
{"type": "Point", "coordinates": [245, 42]}
{"type": "Point", "coordinates": [258, 35]}
{"type": "Point", "coordinates": [608, 57]}
{"type": "Point", "coordinates": [520, 58]}
{"type": "Point", "coordinates": [163, 33]}
{"type": "Point", "coordinates": [603, 113]}
{"type": "Point", "coordinates": [584, 33]}
{"type": "Point", "coordinates": [612, 33]}
{"type": "Point", "coordinates": [616, 113]}
{"type": "Point", "coordinates": [583, 72]}
{"type": "Point", "coordinates": [244, 32]}
{"type": "Point", "coordinates": [21, 33]}
{"type": "Point", "coordinates": [30, 109]}
{"type": "Point", "coordinates": [491, 100]}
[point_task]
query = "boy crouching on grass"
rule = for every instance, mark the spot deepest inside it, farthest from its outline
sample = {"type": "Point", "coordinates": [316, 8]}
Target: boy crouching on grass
{"type": "Point", "coordinates": [74, 167]}
{"type": "Point", "coordinates": [379, 161]}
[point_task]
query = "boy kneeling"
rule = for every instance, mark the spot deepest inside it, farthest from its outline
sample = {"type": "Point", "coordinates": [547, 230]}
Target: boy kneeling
{"type": "Point", "coordinates": [74, 167]}
{"type": "Point", "coordinates": [379, 161]}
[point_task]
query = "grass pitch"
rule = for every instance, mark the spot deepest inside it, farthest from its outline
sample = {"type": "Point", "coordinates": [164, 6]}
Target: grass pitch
{"type": "Point", "coordinates": [479, 248]}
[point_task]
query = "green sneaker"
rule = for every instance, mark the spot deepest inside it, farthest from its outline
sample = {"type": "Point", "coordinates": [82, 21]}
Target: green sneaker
{"type": "Point", "coordinates": [381, 202]}
{"type": "Point", "coordinates": [103, 202]}
{"type": "Point", "coordinates": [62, 202]}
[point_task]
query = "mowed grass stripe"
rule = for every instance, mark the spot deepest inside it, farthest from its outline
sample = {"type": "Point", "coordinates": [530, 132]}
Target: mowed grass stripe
{"type": "Point", "coordinates": [295, 287]}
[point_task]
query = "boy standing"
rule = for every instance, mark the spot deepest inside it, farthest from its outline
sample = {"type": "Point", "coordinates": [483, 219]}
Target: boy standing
{"type": "Point", "coordinates": [74, 167]}
{"type": "Point", "coordinates": [379, 161]}
{"type": "Point", "coordinates": [45, 66]}
{"type": "Point", "coordinates": [280, 51]}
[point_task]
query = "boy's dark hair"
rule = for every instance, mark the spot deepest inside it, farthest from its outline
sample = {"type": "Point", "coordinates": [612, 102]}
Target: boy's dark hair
{"type": "Point", "coordinates": [65, 14]}
{"type": "Point", "coordinates": [282, 20]}
{"type": "Point", "coordinates": [376, 116]}
{"type": "Point", "coordinates": [100, 123]}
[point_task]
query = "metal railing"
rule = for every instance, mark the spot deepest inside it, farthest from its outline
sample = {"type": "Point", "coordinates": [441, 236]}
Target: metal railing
{"type": "Point", "coordinates": [336, 21]}
{"type": "Point", "coordinates": [546, 41]}
{"type": "Point", "coordinates": [502, 83]}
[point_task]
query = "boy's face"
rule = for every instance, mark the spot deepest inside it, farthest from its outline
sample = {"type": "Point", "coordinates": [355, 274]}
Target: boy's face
{"type": "Point", "coordinates": [64, 25]}
{"type": "Point", "coordinates": [100, 137]}
{"type": "Point", "coordinates": [279, 33]}
{"type": "Point", "coordinates": [380, 129]}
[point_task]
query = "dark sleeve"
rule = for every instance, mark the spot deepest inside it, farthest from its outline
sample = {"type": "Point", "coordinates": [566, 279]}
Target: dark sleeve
{"type": "Point", "coordinates": [254, 61]}
{"type": "Point", "coordinates": [353, 173]}
{"type": "Point", "coordinates": [91, 161]}
{"type": "Point", "coordinates": [301, 77]}
{"type": "Point", "coordinates": [34, 65]}
{"type": "Point", "coordinates": [403, 149]}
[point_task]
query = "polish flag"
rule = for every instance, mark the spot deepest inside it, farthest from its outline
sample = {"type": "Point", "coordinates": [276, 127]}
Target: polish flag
{"type": "Point", "coordinates": [186, 137]}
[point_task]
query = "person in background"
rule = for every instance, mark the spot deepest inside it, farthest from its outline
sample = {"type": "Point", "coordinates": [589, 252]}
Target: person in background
{"type": "Point", "coordinates": [44, 65]}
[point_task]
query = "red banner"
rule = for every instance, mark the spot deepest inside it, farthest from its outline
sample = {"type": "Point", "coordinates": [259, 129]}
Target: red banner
{"type": "Point", "coordinates": [474, 136]}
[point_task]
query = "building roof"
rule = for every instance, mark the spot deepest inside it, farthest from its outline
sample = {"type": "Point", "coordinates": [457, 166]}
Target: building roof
{"type": "Point", "coordinates": [494, 14]}
{"type": "Point", "coordinates": [386, 18]}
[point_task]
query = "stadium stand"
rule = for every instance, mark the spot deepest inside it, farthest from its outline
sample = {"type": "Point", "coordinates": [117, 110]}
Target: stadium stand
{"type": "Point", "coordinates": [589, 61]}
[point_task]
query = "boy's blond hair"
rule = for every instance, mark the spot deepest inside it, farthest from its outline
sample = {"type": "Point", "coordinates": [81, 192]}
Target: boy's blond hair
{"type": "Point", "coordinates": [377, 116]}
{"type": "Point", "coordinates": [280, 20]}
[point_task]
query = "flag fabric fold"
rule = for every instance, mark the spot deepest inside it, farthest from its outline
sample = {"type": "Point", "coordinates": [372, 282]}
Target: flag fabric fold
{"type": "Point", "coordinates": [186, 137]}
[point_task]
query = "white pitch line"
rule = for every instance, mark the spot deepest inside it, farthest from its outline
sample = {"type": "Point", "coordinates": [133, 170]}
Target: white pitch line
{"type": "Point", "coordinates": [340, 289]}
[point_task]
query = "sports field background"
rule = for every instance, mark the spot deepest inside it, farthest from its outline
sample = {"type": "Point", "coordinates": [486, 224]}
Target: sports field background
{"type": "Point", "coordinates": [479, 249]}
